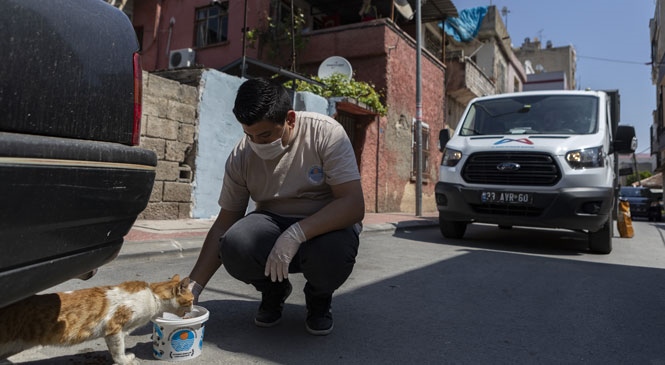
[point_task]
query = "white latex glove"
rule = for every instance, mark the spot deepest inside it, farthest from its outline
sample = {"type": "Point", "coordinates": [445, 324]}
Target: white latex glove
{"type": "Point", "coordinates": [286, 246]}
{"type": "Point", "coordinates": [196, 289]}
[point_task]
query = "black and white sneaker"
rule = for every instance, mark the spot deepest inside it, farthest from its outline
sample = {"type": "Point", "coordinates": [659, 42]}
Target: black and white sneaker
{"type": "Point", "coordinates": [272, 303]}
{"type": "Point", "coordinates": [319, 320]}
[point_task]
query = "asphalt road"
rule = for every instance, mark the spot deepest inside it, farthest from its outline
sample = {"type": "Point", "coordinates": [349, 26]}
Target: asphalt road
{"type": "Point", "coordinates": [519, 296]}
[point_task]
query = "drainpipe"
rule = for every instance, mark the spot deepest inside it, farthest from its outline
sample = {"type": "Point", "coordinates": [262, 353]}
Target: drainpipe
{"type": "Point", "coordinates": [419, 115]}
{"type": "Point", "coordinates": [155, 33]}
{"type": "Point", "coordinates": [168, 41]}
{"type": "Point", "coordinates": [637, 173]}
{"type": "Point", "coordinates": [293, 52]}
{"type": "Point", "coordinates": [378, 171]}
{"type": "Point", "coordinates": [244, 48]}
{"type": "Point", "coordinates": [293, 41]}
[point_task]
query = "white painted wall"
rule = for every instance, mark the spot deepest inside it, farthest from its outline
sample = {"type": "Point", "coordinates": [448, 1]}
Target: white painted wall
{"type": "Point", "coordinates": [311, 102]}
{"type": "Point", "coordinates": [219, 131]}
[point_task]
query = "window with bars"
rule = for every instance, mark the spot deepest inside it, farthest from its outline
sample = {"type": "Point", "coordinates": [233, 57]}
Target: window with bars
{"type": "Point", "coordinates": [212, 24]}
{"type": "Point", "coordinates": [348, 122]}
{"type": "Point", "coordinates": [281, 9]}
{"type": "Point", "coordinates": [425, 151]}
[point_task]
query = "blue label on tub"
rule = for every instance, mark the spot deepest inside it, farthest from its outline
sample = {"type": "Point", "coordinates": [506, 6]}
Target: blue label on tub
{"type": "Point", "coordinates": [183, 340]}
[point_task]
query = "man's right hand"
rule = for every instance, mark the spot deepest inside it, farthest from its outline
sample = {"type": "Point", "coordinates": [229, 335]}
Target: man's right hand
{"type": "Point", "coordinates": [196, 289]}
{"type": "Point", "coordinates": [285, 248]}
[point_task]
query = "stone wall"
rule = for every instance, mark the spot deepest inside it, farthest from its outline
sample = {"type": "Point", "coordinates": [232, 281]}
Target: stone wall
{"type": "Point", "coordinates": [169, 127]}
{"type": "Point", "coordinates": [188, 121]}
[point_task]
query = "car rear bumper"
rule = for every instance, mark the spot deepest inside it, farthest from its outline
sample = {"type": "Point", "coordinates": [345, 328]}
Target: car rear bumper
{"type": "Point", "coordinates": [66, 206]}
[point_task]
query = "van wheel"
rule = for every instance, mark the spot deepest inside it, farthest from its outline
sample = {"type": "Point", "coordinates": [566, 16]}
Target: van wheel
{"type": "Point", "coordinates": [601, 240]}
{"type": "Point", "coordinates": [452, 229]}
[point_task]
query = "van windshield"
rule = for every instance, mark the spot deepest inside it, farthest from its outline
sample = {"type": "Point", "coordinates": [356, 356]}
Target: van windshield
{"type": "Point", "coordinates": [533, 114]}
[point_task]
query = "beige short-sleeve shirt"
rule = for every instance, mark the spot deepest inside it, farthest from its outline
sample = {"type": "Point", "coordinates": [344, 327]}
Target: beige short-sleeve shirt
{"type": "Point", "coordinates": [297, 183]}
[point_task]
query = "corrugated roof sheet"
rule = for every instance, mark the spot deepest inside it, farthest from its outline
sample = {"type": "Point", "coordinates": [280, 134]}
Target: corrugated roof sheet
{"type": "Point", "coordinates": [435, 10]}
{"type": "Point", "coordinates": [347, 10]}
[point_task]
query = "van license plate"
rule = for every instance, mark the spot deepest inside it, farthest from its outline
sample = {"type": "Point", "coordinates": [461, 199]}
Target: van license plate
{"type": "Point", "coordinates": [506, 197]}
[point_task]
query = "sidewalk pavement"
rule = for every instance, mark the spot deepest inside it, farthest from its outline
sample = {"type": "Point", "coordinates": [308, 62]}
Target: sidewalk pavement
{"type": "Point", "coordinates": [152, 237]}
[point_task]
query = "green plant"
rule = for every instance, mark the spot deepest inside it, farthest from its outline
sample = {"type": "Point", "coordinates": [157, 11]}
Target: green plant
{"type": "Point", "coordinates": [339, 85]}
{"type": "Point", "coordinates": [634, 178]}
{"type": "Point", "coordinates": [278, 35]}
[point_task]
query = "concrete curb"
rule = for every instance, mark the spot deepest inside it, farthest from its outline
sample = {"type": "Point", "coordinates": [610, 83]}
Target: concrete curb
{"type": "Point", "coordinates": [176, 247]}
{"type": "Point", "coordinates": [160, 248]}
{"type": "Point", "coordinates": [400, 225]}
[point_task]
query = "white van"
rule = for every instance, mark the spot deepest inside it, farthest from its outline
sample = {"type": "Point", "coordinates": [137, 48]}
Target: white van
{"type": "Point", "coordinates": [539, 159]}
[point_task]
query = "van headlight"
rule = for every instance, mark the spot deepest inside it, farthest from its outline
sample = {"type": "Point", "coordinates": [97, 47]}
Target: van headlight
{"type": "Point", "coordinates": [586, 158]}
{"type": "Point", "coordinates": [451, 157]}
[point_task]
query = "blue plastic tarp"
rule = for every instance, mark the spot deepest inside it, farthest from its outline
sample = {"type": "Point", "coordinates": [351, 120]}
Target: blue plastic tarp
{"type": "Point", "coordinates": [465, 27]}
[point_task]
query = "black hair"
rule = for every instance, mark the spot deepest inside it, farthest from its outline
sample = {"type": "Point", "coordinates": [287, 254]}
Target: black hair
{"type": "Point", "coordinates": [261, 99]}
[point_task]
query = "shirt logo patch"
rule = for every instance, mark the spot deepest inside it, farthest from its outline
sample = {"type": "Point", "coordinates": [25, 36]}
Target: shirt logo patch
{"type": "Point", "coordinates": [315, 175]}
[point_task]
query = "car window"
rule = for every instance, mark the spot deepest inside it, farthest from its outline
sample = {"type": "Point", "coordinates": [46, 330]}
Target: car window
{"type": "Point", "coordinates": [634, 192]}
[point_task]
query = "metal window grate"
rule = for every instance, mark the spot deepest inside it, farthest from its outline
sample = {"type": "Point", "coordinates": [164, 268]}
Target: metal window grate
{"type": "Point", "coordinates": [212, 24]}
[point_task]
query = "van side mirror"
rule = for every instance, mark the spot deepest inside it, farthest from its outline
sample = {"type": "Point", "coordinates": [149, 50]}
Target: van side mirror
{"type": "Point", "coordinates": [625, 140]}
{"type": "Point", "coordinates": [444, 137]}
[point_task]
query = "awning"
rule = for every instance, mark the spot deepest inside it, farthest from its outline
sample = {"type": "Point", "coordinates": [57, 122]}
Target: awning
{"type": "Point", "coordinates": [654, 181]}
{"type": "Point", "coordinates": [435, 10]}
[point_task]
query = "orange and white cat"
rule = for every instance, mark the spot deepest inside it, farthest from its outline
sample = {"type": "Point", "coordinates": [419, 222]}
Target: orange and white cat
{"type": "Point", "coordinates": [111, 312]}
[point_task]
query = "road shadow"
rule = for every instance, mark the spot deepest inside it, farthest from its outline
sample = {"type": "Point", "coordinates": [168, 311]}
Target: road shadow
{"type": "Point", "coordinates": [660, 226]}
{"type": "Point", "coordinates": [516, 239]}
{"type": "Point", "coordinates": [478, 307]}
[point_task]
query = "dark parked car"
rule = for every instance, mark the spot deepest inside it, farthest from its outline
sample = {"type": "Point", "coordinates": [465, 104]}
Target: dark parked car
{"type": "Point", "coordinates": [642, 202]}
{"type": "Point", "coordinates": [72, 177]}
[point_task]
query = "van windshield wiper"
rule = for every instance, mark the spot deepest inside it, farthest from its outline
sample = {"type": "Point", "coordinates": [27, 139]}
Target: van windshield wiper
{"type": "Point", "coordinates": [473, 131]}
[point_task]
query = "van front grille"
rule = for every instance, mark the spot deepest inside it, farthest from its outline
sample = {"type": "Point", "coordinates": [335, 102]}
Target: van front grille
{"type": "Point", "coordinates": [511, 168]}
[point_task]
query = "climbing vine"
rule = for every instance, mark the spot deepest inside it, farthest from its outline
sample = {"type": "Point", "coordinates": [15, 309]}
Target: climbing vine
{"type": "Point", "coordinates": [277, 35]}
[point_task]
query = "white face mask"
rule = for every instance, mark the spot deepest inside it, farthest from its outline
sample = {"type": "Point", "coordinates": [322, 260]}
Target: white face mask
{"type": "Point", "coordinates": [269, 151]}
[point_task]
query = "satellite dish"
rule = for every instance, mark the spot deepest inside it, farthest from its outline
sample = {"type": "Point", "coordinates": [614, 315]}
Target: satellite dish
{"type": "Point", "coordinates": [335, 65]}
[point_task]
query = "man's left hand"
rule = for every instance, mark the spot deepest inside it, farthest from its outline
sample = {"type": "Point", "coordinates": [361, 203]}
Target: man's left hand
{"type": "Point", "coordinates": [285, 248]}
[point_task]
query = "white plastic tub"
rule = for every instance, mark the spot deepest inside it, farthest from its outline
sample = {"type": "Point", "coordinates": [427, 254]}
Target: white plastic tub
{"type": "Point", "coordinates": [178, 339]}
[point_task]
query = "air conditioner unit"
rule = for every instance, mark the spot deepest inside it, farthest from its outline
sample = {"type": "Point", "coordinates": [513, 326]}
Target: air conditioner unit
{"type": "Point", "coordinates": [181, 58]}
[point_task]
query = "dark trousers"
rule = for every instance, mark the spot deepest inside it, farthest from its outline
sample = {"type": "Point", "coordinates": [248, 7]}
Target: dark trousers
{"type": "Point", "coordinates": [326, 261]}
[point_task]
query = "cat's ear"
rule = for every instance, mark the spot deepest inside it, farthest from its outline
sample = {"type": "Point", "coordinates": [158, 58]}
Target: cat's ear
{"type": "Point", "coordinates": [184, 285]}
{"type": "Point", "coordinates": [175, 277]}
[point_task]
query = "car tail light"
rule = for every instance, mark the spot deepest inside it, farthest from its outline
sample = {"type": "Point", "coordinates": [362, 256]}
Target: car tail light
{"type": "Point", "coordinates": [138, 94]}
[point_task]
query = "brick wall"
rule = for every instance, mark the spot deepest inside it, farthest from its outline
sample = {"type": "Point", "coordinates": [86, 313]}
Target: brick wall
{"type": "Point", "coordinates": [388, 62]}
{"type": "Point", "coordinates": [169, 127]}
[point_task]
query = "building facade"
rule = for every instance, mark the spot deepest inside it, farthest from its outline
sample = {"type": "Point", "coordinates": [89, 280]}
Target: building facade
{"type": "Point", "coordinates": [379, 43]}
{"type": "Point", "coordinates": [657, 32]}
{"type": "Point", "coordinates": [554, 66]}
{"type": "Point", "coordinates": [484, 66]}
